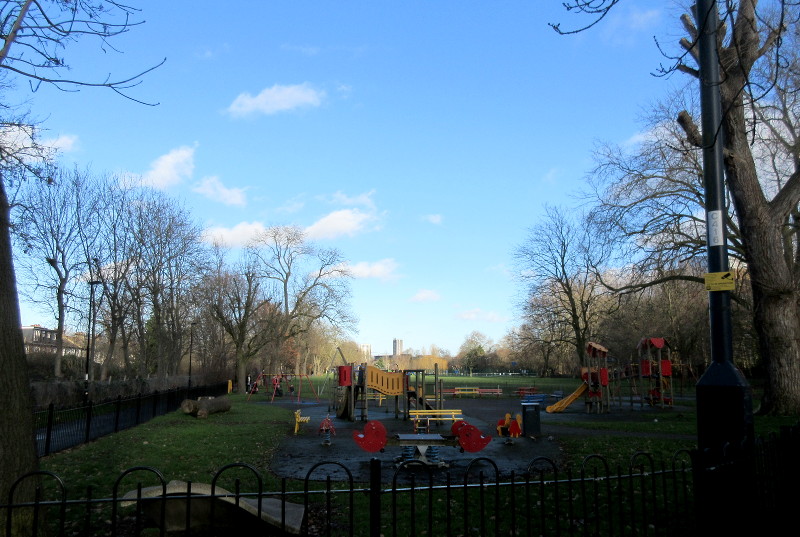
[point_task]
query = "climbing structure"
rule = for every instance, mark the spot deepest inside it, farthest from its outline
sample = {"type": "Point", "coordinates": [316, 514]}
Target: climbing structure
{"type": "Point", "coordinates": [596, 383]}
{"type": "Point", "coordinates": [655, 371]}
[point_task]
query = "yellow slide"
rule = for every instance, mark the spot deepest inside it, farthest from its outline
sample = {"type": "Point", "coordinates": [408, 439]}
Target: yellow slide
{"type": "Point", "coordinates": [568, 400]}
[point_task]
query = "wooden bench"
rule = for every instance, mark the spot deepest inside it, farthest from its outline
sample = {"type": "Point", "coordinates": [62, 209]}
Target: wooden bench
{"type": "Point", "coordinates": [298, 419]}
{"type": "Point", "coordinates": [423, 418]}
{"type": "Point", "coordinates": [490, 391]}
{"type": "Point", "coordinates": [529, 390]}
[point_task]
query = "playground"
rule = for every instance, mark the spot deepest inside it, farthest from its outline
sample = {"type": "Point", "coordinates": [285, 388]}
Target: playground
{"type": "Point", "coordinates": [397, 417]}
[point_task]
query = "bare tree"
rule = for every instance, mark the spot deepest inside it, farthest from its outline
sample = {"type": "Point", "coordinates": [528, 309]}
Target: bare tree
{"type": "Point", "coordinates": [34, 37]}
{"type": "Point", "coordinates": [758, 62]}
{"type": "Point", "coordinates": [557, 263]}
{"type": "Point", "coordinates": [312, 282]}
{"type": "Point", "coordinates": [248, 315]}
{"type": "Point", "coordinates": [50, 239]}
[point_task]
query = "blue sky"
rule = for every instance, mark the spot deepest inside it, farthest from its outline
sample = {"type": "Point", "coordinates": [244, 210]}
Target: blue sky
{"type": "Point", "coordinates": [421, 139]}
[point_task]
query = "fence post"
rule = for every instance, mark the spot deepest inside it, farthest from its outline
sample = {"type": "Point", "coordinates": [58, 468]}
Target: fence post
{"type": "Point", "coordinates": [374, 497]}
{"type": "Point", "coordinates": [48, 435]}
{"type": "Point", "coordinates": [116, 413]}
{"type": "Point", "coordinates": [88, 410]}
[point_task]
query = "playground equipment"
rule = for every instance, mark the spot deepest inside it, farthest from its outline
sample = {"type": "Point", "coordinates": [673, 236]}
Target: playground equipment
{"type": "Point", "coordinates": [423, 447]}
{"type": "Point", "coordinates": [326, 429]}
{"type": "Point", "coordinates": [655, 371]}
{"type": "Point", "coordinates": [357, 384]}
{"type": "Point", "coordinates": [299, 420]}
{"type": "Point", "coordinates": [510, 429]}
{"type": "Point", "coordinates": [596, 383]}
{"type": "Point", "coordinates": [276, 385]}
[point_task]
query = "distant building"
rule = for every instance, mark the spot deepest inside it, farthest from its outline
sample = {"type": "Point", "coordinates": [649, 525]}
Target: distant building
{"type": "Point", "coordinates": [39, 339]}
{"type": "Point", "coordinates": [366, 350]}
{"type": "Point", "coordinates": [397, 347]}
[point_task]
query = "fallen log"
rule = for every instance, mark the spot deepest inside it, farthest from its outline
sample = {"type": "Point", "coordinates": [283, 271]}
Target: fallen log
{"type": "Point", "coordinates": [201, 408]}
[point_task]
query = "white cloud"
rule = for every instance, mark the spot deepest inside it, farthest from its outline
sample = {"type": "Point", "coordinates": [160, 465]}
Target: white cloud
{"type": "Point", "coordinates": [364, 199]}
{"type": "Point", "coordinates": [338, 223]}
{"type": "Point", "coordinates": [276, 99]}
{"type": "Point", "coordinates": [212, 188]}
{"type": "Point", "coordinates": [239, 235]}
{"type": "Point", "coordinates": [170, 169]}
{"type": "Point", "coordinates": [426, 295]}
{"type": "Point", "coordinates": [551, 176]}
{"type": "Point", "coordinates": [433, 218]}
{"type": "Point", "coordinates": [385, 269]}
{"type": "Point", "coordinates": [63, 144]}
{"type": "Point", "coordinates": [477, 314]}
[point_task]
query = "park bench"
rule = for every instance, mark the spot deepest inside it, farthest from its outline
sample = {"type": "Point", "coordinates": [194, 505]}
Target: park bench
{"type": "Point", "coordinates": [558, 394]}
{"type": "Point", "coordinates": [535, 398]}
{"type": "Point", "coordinates": [465, 390]}
{"type": "Point", "coordinates": [298, 420]}
{"type": "Point", "coordinates": [423, 418]}
{"type": "Point", "coordinates": [490, 391]}
{"type": "Point", "coordinates": [529, 390]}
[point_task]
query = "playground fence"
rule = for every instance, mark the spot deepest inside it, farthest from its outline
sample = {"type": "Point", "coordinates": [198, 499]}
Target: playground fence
{"type": "Point", "coordinates": [57, 430]}
{"type": "Point", "coordinates": [738, 495]}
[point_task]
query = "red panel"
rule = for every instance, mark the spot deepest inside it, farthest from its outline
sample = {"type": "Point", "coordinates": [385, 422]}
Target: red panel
{"type": "Point", "coordinates": [345, 375]}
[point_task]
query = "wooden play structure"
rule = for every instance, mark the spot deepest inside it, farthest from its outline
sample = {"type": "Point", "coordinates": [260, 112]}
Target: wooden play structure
{"type": "Point", "coordinates": [357, 384]}
{"type": "Point", "coordinates": [596, 385]}
{"type": "Point", "coordinates": [654, 372]}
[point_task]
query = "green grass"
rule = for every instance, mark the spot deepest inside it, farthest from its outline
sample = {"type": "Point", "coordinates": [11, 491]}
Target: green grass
{"type": "Point", "coordinates": [180, 446]}
{"type": "Point", "coordinates": [185, 448]}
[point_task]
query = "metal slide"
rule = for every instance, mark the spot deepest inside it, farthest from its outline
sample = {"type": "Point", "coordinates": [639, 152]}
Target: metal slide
{"type": "Point", "coordinates": [568, 400]}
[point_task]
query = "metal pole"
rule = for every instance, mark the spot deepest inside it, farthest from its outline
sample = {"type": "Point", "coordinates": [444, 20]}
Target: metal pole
{"type": "Point", "coordinates": [191, 342]}
{"type": "Point", "coordinates": [89, 340]}
{"type": "Point", "coordinates": [724, 398]}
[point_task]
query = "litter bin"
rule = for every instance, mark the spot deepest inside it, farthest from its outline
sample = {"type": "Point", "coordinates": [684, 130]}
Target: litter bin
{"type": "Point", "coordinates": [531, 421]}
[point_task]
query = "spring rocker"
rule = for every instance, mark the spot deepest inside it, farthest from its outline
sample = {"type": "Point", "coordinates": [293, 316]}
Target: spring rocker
{"type": "Point", "coordinates": [424, 447]}
{"type": "Point", "coordinates": [326, 429]}
{"type": "Point", "coordinates": [509, 429]}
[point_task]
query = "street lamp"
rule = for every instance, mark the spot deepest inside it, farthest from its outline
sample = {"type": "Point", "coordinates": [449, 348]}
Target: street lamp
{"type": "Point", "coordinates": [89, 339]}
{"type": "Point", "coordinates": [191, 342]}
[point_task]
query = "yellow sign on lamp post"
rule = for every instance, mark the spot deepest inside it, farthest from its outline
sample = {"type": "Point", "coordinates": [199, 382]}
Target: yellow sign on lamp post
{"type": "Point", "coordinates": [719, 281]}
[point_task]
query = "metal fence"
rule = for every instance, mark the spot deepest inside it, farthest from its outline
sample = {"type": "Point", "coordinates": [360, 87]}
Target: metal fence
{"type": "Point", "coordinates": [57, 430]}
{"type": "Point", "coordinates": [752, 492]}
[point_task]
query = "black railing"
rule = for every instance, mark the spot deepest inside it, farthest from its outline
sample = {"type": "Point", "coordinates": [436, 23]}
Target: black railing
{"type": "Point", "coordinates": [57, 430]}
{"type": "Point", "coordinates": [647, 498]}
{"type": "Point", "coordinates": [752, 493]}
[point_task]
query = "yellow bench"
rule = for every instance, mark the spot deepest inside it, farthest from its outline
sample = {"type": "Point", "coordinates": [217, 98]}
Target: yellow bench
{"type": "Point", "coordinates": [433, 415]}
{"type": "Point", "coordinates": [298, 419]}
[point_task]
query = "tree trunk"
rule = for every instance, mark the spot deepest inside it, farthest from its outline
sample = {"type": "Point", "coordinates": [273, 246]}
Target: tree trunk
{"type": "Point", "coordinates": [203, 407]}
{"type": "Point", "coordinates": [16, 420]}
{"type": "Point", "coordinates": [775, 292]}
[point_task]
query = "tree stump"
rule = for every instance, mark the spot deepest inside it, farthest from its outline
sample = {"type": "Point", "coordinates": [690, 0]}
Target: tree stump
{"type": "Point", "coordinates": [201, 408]}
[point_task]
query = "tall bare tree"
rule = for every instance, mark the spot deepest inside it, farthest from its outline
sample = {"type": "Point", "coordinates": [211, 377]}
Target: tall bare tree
{"type": "Point", "coordinates": [313, 283]}
{"type": "Point", "coordinates": [758, 58]}
{"type": "Point", "coordinates": [49, 234]}
{"type": "Point", "coordinates": [557, 263]}
{"type": "Point", "coordinates": [34, 36]}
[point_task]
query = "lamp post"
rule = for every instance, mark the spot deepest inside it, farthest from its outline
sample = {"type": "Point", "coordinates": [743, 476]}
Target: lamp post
{"type": "Point", "coordinates": [191, 343]}
{"type": "Point", "coordinates": [89, 339]}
